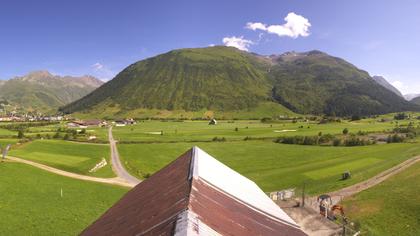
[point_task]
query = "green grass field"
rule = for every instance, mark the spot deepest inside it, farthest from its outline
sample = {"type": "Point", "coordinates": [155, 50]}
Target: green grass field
{"type": "Point", "coordinates": [390, 208]}
{"type": "Point", "coordinates": [31, 202]}
{"type": "Point", "coordinates": [4, 142]}
{"type": "Point", "coordinates": [7, 133]}
{"type": "Point", "coordinates": [70, 156]}
{"type": "Point", "coordinates": [150, 131]}
{"type": "Point", "coordinates": [277, 166]}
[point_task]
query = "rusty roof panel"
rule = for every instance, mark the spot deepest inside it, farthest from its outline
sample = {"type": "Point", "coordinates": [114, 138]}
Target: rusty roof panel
{"type": "Point", "coordinates": [151, 208]}
{"type": "Point", "coordinates": [229, 216]}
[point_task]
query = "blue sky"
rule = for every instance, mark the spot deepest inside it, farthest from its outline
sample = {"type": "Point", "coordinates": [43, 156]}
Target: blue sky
{"type": "Point", "coordinates": [103, 37]}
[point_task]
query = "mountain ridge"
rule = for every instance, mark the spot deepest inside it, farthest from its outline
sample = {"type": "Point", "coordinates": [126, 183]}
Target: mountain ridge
{"type": "Point", "coordinates": [42, 91]}
{"type": "Point", "coordinates": [382, 81]}
{"type": "Point", "coordinates": [226, 79]}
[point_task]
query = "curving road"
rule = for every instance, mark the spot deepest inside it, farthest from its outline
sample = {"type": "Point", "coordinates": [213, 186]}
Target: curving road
{"type": "Point", "coordinates": [116, 163]}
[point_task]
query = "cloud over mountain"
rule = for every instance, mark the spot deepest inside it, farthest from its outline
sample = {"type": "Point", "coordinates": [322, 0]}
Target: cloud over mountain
{"type": "Point", "coordinates": [295, 26]}
{"type": "Point", "coordinates": [237, 42]}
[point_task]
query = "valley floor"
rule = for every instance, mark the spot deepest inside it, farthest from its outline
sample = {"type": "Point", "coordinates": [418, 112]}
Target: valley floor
{"type": "Point", "coordinates": [272, 166]}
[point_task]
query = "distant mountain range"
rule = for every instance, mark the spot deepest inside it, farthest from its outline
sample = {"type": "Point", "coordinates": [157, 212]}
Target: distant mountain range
{"type": "Point", "coordinates": [416, 100]}
{"type": "Point", "coordinates": [224, 79]}
{"type": "Point", "coordinates": [382, 81]}
{"type": "Point", "coordinates": [43, 92]}
{"type": "Point", "coordinates": [411, 96]}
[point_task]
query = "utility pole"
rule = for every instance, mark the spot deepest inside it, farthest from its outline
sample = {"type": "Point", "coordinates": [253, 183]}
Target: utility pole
{"type": "Point", "coordinates": [344, 230]}
{"type": "Point", "coordinates": [303, 194]}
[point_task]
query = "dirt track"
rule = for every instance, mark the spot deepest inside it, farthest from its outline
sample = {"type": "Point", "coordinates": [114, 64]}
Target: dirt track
{"type": "Point", "coordinates": [315, 225]}
{"type": "Point", "coordinates": [338, 195]}
{"type": "Point", "coordinates": [114, 181]}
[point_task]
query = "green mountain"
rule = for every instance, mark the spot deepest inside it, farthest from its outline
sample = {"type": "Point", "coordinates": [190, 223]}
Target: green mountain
{"type": "Point", "coordinates": [225, 80]}
{"type": "Point", "coordinates": [382, 81]}
{"type": "Point", "coordinates": [416, 100]}
{"type": "Point", "coordinates": [317, 83]}
{"type": "Point", "coordinates": [43, 92]}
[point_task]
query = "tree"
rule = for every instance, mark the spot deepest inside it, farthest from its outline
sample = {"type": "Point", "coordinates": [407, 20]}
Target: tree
{"type": "Point", "coordinates": [337, 142]}
{"type": "Point", "coordinates": [345, 131]}
{"type": "Point", "coordinates": [56, 135]}
{"type": "Point", "coordinates": [20, 134]}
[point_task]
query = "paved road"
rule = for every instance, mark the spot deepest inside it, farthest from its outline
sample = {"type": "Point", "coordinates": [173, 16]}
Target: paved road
{"type": "Point", "coordinates": [114, 181]}
{"type": "Point", "coordinates": [116, 163]}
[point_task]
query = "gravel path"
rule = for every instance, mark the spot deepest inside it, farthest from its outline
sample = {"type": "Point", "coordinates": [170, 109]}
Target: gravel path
{"type": "Point", "coordinates": [116, 163]}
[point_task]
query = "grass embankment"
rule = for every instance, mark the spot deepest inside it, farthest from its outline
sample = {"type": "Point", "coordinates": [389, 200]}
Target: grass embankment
{"type": "Point", "coordinates": [31, 202]}
{"type": "Point", "coordinates": [277, 166]}
{"type": "Point", "coordinates": [69, 156]}
{"type": "Point", "coordinates": [390, 208]}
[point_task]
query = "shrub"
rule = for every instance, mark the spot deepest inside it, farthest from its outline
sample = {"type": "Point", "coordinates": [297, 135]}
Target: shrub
{"type": "Point", "coordinates": [400, 116]}
{"type": "Point", "coordinates": [56, 135]}
{"type": "Point", "coordinates": [20, 134]}
{"type": "Point", "coordinates": [336, 142]}
{"type": "Point", "coordinates": [217, 139]}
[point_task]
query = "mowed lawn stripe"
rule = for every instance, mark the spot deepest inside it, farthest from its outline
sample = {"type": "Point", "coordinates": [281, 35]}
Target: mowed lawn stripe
{"type": "Point", "coordinates": [277, 166]}
{"type": "Point", "coordinates": [68, 156]}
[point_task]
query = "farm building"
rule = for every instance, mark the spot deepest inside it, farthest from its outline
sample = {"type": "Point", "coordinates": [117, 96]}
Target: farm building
{"type": "Point", "coordinates": [213, 122]}
{"type": "Point", "coordinates": [86, 123]}
{"type": "Point", "coordinates": [125, 122]}
{"type": "Point", "coordinates": [188, 197]}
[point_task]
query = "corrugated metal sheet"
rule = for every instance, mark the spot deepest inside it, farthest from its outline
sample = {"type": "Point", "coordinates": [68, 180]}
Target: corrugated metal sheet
{"type": "Point", "coordinates": [228, 216]}
{"type": "Point", "coordinates": [184, 199]}
{"type": "Point", "coordinates": [151, 208]}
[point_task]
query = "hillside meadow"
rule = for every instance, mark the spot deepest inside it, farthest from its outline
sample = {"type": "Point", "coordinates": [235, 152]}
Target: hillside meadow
{"type": "Point", "coordinates": [69, 156]}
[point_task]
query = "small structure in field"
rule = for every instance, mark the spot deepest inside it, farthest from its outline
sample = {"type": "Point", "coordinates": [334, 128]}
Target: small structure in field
{"type": "Point", "coordinates": [346, 175]}
{"type": "Point", "coordinates": [125, 122]}
{"type": "Point", "coordinates": [188, 197]}
{"type": "Point", "coordinates": [282, 195]}
{"type": "Point", "coordinates": [86, 123]}
{"type": "Point", "coordinates": [213, 122]}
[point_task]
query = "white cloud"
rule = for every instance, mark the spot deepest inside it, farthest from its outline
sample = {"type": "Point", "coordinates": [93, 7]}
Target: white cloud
{"type": "Point", "coordinates": [295, 26]}
{"type": "Point", "coordinates": [256, 26]}
{"type": "Point", "coordinates": [102, 72]}
{"type": "Point", "coordinates": [97, 66]}
{"type": "Point", "coordinates": [238, 42]}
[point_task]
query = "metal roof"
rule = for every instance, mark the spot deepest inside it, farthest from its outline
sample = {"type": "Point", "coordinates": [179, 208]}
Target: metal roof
{"type": "Point", "coordinates": [195, 195]}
